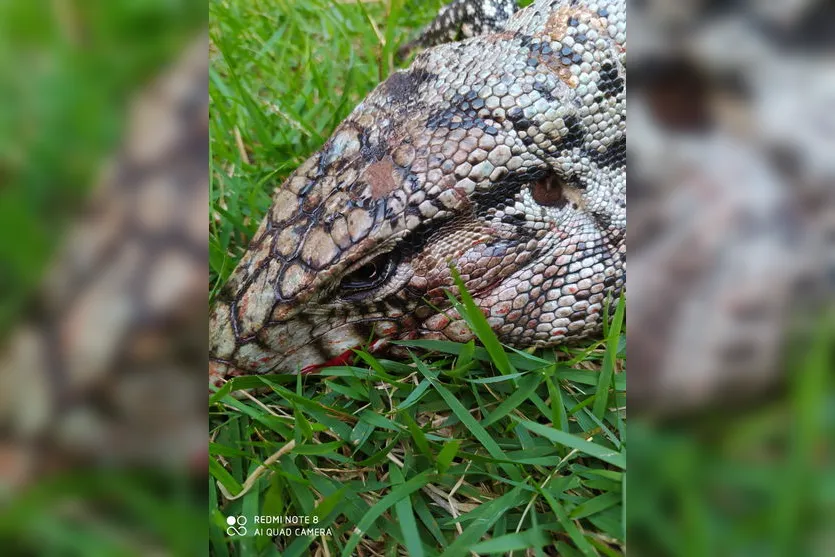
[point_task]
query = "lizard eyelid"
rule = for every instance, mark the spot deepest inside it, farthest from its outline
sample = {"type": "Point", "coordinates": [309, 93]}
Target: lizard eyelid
{"type": "Point", "coordinates": [363, 280]}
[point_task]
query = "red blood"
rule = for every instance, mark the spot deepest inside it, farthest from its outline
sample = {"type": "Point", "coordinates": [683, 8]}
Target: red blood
{"type": "Point", "coordinates": [343, 358]}
{"type": "Point", "coordinates": [340, 360]}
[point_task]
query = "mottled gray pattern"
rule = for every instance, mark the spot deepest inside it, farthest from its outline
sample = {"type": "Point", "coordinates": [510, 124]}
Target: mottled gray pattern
{"type": "Point", "coordinates": [502, 155]}
{"type": "Point", "coordinates": [463, 19]}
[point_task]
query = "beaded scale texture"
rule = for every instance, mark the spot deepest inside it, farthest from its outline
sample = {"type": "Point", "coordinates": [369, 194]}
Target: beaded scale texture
{"type": "Point", "coordinates": [503, 156]}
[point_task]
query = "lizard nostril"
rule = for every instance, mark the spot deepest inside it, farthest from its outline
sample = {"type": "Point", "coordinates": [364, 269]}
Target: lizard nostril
{"type": "Point", "coordinates": [548, 192]}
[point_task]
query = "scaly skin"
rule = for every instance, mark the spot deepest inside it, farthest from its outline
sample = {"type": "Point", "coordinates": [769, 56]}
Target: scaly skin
{"type": "Point", "coordinates": [502, 155]}
{"type": "Point", "coordinates": [463, 19]}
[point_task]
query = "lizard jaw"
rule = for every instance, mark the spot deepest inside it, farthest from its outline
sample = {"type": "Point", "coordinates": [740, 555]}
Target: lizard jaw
{"type": "Point", "coordinates": [344, 358]}
{"type": "Point", "coordinates": [335, 347]}
{"type": "Point", "coordinates": [220, 372]}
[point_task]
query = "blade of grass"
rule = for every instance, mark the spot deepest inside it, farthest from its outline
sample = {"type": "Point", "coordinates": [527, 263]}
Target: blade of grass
{"type": "Point", "coordinates": [478, 323]}
{"type": "Point", "coordinates": [601, 400]}
{"type": "Point", "coordinates": [381, 506]}
{"type": "Point", "coordinates": [592, 449]}
{"type": "Point", "coordinates": [466, 418]}
{"type": "Point", "coordinates": [406, 517]}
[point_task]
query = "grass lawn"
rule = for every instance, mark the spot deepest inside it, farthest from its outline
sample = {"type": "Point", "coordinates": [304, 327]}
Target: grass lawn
{"type": "Point", "coordinates": [462, 449]}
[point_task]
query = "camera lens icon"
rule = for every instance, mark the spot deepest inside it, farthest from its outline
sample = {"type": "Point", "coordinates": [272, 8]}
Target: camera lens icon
{"type": "Point", "coordinates": [236, 526]}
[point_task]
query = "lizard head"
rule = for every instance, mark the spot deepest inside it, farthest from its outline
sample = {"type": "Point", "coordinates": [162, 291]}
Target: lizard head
{"type": "Point", "coordinates": [503, 156]}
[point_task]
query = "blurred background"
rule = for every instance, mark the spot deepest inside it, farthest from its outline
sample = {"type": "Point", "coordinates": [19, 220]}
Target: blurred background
{"type": "Point", "coordinates": [103, 269]}
{"type": "Point", "coordinates": [731, 161]}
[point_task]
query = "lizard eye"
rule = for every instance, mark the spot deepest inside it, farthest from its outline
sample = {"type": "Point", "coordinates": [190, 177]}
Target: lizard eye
{"type": "Point", "coordinates": [548, 192]}
{"type": "Point", "coordinates": [368, 277]}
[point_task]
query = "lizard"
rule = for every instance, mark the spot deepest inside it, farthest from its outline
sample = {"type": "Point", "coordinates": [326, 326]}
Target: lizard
{"type": "Point", "coordinates": [462, 19]}
{"type": "Point", "coordinates": [502, 156]}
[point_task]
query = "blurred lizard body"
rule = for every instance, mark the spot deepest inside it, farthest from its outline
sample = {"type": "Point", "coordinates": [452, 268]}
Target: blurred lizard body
{"type": "Point", "coordinates": [102, 369]}
{"type": "Point", "coordinates": [502, 155]}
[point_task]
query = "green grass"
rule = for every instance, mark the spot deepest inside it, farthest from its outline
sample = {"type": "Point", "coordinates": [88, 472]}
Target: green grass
{"type": "Point", "coordinates": [462, 448]}
{"type": "Point", "coordinates": [743, 480]}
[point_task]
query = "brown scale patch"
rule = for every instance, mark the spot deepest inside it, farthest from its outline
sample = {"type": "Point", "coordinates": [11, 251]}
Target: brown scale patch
{"type": "Point", "coordinates": [557, 23]}
{"type": "Point", "coordinates": [380, 176]}
{"type": "Point", "coordinates": [555, 28]}
{"type": "Point", "coordinates": [497, 37]}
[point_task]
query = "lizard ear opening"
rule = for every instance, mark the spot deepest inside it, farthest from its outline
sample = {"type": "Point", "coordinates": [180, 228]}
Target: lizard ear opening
{"type": "Point", "coordinates": [548, 192]}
